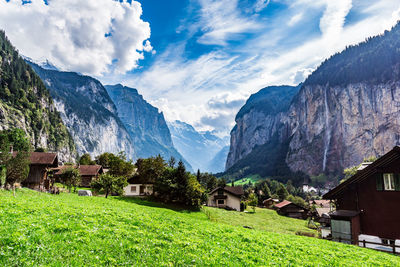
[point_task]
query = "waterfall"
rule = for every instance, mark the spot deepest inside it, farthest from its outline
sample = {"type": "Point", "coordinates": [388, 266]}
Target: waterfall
{"type": "Point", "coordinates": [327, 130]}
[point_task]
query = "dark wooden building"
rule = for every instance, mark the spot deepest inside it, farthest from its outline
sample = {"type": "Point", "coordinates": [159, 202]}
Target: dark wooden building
{"type": "Point", "coordinates": [87, 172]}
{"type": "Point", "coordinates": [270, 202]}
{"type": "Point", "coordinates": [40, 162]}
{"type": "Point", "coordinates": [289, 209]}
{"type": "Point", "coordinates": [368, 203]}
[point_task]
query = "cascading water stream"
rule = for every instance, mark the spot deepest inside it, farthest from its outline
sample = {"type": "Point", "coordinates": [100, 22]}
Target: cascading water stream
{"type": "Point", "coordinates": [327, 130]}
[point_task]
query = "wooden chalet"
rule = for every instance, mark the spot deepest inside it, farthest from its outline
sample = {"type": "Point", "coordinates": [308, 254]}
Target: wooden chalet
{"type": "Point", "coordinates": [289, 209]}
{"type": "Point", "coordinates": [270, 202]}
{"type": "Point", "coordinates": [227, 197]}
{"type": "Point", "coordinates": [40, 162]}
{"type": "Point", "coordinates": [87, 172]}
{"type": "Point", "coordinates": [368, 203]}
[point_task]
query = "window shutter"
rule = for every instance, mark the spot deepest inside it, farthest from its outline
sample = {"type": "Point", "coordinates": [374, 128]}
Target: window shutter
{"type": "Point", "coordinates": [379, 182]}
{"type": "Point", "coordinates": [397, 182]}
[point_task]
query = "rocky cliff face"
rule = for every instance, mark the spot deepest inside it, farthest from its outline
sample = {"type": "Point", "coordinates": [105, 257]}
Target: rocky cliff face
{"type": "Point", "coordinates": [348, 109]}
{"type": "Point", "coordinates": [337, 127]}
{"type": "Point", "coordinates": [88, 112]}
{"type": "Point", "coordinates": [25, 103]}
{"type": "Point", "coordinates": [146, 126]}
{"type": "Point", "coordinates": [203, 150]}
{"type": "Point", "coordinates": [259, 121]}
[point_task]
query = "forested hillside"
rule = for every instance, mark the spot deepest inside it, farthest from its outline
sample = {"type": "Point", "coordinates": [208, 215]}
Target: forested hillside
{"type": "Point", "coordinates": [26, 104]}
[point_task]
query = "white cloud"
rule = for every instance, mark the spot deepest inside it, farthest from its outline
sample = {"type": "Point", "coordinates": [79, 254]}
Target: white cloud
{"type": "Point", "coordinates": [260, 5]}
{"type": "Point", "coordinates": [295, 19]}
{"type": "Point", "coordinates": [193, 90]}
{"type": "Point", "coordinates": [222, 20]}
{"type": "Point", "coordinates": [71, 34]}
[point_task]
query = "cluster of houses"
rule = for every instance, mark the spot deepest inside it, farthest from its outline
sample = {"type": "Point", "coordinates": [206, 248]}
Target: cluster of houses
{"type": "Point", "coordinates": [45, 169]}
{"type": "Point", "coordinates": [363, 210]}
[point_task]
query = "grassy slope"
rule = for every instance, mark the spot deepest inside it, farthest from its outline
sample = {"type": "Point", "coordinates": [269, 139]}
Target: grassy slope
{"type": "Point", "coordinates": [251, 178]}
{"type": "Point", "coordinates": [262, 219]}
{"type": "Point", "coordinates": [41, 229]}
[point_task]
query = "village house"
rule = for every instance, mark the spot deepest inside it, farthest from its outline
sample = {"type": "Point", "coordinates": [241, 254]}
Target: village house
{"type": "Point", "coordinates": [368, 204]}
{"type": "Point", "coordinates": [87, 172]}
{"type": "Point", "coordinates": [137, 188]}
{"type": "Point", "coordinates": [270, 202]}
{"type": "Point", "coordinates": [226, 197]}
{"type": "Point", "coordinates": [292, 210]}
{"type": "Point", "coordinates": [40, 162]}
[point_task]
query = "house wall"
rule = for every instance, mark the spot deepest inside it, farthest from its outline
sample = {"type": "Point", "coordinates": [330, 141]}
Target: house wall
{"type": "Point", "coordinates": [293, 211]}
{"type": "Point", "coordinates": [147, 190]}
{"type": "Point", "coordinates": [36, 176]}
{"type": "Point", "coordinates": [86, 180]}
{"type": "Point", "coordinates": [379, 210]}
{"type": "Point", "coordinates": [231, 201]}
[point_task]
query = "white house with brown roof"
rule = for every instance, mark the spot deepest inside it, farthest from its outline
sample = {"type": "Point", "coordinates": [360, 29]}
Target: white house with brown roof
{"type": "Point", "coordinates": [138, 188]}
{"type": "Point", "coordinates": [226, 197]}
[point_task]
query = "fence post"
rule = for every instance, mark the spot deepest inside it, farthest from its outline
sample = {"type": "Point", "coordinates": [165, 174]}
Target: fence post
{"type": "Point", "coordinates": [394, 248]}
{"type": "Point", "coordinates": [364, 243]}
{"type": "Point", "coordinates": [340, 239]}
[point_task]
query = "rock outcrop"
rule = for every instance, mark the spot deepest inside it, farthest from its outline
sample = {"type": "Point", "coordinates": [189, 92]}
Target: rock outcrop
{"type": "Point", "coordinates": [146, 126]}
{"type": "Point", "coordinates": [88, 112]}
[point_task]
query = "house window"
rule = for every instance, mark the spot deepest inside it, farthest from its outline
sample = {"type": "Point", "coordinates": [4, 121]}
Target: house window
{"type": "Point", "coordinates": [133, 189]}
{"type": "Point", "coordinates": [221, 202]}
{"type": "Point", "coordinates": [220, 192]}
{"type": "Point", "coordinates": [388, 181]}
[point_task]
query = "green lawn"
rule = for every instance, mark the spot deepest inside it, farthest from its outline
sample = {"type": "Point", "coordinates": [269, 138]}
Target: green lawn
{"type": "Point", "coordinates": [68, 230]}
{"type": "Point", "coordinates": [262, 219]}
{"type": "Point", "coordinates": [252, 178]}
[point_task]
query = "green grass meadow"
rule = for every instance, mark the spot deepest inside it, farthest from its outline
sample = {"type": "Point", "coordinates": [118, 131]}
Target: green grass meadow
{"type": "Point", "coordinates": [263, 219]}
{"type": "Point", "coordinates": [252, 178]}
{"type": "Point", "coordinates": [68, 230]}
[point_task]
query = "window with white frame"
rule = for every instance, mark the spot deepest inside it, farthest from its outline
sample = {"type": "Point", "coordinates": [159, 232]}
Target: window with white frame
{"type": "Point", "coordinates": [133, 189]}
{"type": "Point", "coordinates": [221, 202]}
{"type": "Point", "coordinates": [388, 181]}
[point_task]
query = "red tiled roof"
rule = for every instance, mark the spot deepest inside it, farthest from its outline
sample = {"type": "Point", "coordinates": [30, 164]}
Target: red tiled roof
{"type": "Point", "coordinates": [283, 204]}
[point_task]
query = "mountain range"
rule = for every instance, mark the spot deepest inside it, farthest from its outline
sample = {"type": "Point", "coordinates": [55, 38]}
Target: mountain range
{"type": "Point", "coordinates": [204, 150]}
{"type": "Point", "coordinates": [348, 109]}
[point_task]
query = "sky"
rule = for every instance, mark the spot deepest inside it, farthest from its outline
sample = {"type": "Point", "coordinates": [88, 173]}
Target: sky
{"type": "Point", "coordinates": [196, 60]}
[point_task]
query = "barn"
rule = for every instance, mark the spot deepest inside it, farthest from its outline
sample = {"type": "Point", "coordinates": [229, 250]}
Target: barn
{"type": "Point", "coordinates": [40, 162]}
{"type": "Point", "coordinates": [368, 203]}
{"type": "Point", "coordinates": [289, 209]}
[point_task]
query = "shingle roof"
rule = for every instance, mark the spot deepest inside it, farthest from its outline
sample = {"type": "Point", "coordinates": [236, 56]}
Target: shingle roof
{"type": "Point", "coordinates": [283, 204]}
{"type": "Point", "coordinates": [90, 170]}
{"type": "Point", "coordinates": [323, 203]}
{"type": "Point", "coordinates": [42, 158]}
{"type": "Point", "coordinates": [235, 190]}
{"type": "Point", "coordinates": [84, 170]}
{"type": "Point", "coordinates": [389, 157]}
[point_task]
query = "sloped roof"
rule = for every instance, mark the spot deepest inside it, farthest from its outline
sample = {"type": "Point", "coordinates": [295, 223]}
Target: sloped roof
{"type": "Point", "coordinates": [323, 203]}
{"type": "Point", "coordinates": [321, 211]}
{"type": "Point", "coordinates": [235, 190]}
{"type": "Point", "coordinates": [283, 204]}
{"type": "Point", "coordinates": [371, 169]}
{"type": "Point", "coordinates": [90, 170]}
{"type": "Point", "coordinates": [84, 170]}
{"type": "Point", "coordinates": [42, 158]}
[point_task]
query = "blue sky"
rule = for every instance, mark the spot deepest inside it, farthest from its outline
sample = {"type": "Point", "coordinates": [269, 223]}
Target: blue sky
{"type": "Point", "coordinates": [196, 60]}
